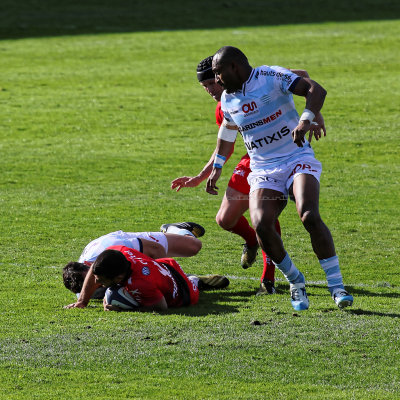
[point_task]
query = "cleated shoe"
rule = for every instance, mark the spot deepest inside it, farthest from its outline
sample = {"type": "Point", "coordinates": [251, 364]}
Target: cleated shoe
{"type": "Point", "coordinates": [196, 229]}
{"type": "Point", "coordinates": [299, 296]}
{"type": "Point", "coordinates": [249, 255]}
{"type": "Point", "coordinates": [342, 298]}
{"type": "Point", "coordinates": [266, 287]}
{"type": "Point", "coordinates": [210, 282]}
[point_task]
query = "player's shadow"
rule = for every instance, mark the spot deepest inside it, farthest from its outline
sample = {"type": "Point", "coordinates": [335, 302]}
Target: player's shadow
{"type": "Point", "coordinates": [369, 293]}
{"type": "Point", "coordinates": [215, 302]}
{"type": "Point", "coordinates": [359, 311]}
{"type": "Point", "coordinates": [43, 18]}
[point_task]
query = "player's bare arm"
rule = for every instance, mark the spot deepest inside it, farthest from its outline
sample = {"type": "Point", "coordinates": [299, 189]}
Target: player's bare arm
{"type": "Point", "coordinates": [193, 181]}
{"type": "Point", "coordinates": [318, 125]}
{"type": "Point", "coordinates": [224, 148]}
{"type": "Point", "coordinates": [88, 288]}
{"type": "Point", "coordinates": [315, 96]}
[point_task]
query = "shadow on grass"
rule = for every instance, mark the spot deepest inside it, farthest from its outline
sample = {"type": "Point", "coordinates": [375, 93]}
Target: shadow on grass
{"type": "Point", "coordinates": [215, 302]}
{"type": "Point", "coordinates": [369, 293]}
{"type": "Point", "coordinates": [358, 311]}
{"type": "Point", "coordinates": [42, 18]}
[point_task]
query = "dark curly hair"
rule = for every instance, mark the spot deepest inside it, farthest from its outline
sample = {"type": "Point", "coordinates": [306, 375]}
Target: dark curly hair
{"type": "Point", "coordinates": [73, 276]}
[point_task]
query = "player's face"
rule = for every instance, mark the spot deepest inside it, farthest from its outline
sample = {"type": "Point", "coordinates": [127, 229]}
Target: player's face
{"type": "Point", "coordinates": [107, 282]}
{"type": "Point", "coordinates": [226, 75]}
{"type": "Point", "coordinates": [212, 88]}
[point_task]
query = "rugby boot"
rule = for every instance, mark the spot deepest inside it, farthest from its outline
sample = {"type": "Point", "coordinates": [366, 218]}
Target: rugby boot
{"type": "Point", "coordinates": [342, 298]}
{"type": "Point", "coordinates": [249, 255]}
{"type": "Point", "coordinates": [299, 296]}
{"type": "Point", "coordinates": [266, 287]}
{"type": "Point", "coordinates": [196, 229]}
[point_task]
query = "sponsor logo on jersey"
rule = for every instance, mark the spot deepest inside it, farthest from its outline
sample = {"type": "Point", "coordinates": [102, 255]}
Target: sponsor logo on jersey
{"type": "Point", "coordinates": [268, 139]}
{"type": "Point", "coordinates": [146, 271]}
{"type": "Point", "coordinates": [249, 107]}
{"type": "Point", "coordinates": [279, 75]}
{"type": "Point", "coordinates": [302, 167]}
{"type": "Point", "coordinates": [240, 172]}
{"type": "Point", "coordinates": [260, 122]}
{"type": "Point", "coordinates": [258, 179]}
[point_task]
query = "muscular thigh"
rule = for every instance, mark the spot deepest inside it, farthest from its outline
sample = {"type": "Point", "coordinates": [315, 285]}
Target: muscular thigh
{"type": "Point", "coordinates": [266, 206]}
{"type": "Point", "coordinates": [234, 205]}
{"type": "Point", "coordinates": [305, 192]}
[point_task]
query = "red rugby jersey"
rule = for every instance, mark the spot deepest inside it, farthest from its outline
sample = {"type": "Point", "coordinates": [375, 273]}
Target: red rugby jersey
{"type": "Point", "coordinates": [151, 280]}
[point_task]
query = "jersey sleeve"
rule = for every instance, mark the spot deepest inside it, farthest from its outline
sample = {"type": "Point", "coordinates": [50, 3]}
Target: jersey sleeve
{"type": "Point", "coordinates": [283, 79]}
{"type": "Point", "coordinates": [219, 115]}
{"type": "Point", "coordinates": [226, 116]}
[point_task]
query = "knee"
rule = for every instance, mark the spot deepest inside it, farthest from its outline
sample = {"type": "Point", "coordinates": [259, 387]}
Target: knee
{"type": "Point", "coordinates": [196, 246]}
{"type": "Point", "coordinates": [224, 221]}
{"type": "Point", "coordinates": [310, 219]}
{"type": "Point", "coordinates": [264, 228]}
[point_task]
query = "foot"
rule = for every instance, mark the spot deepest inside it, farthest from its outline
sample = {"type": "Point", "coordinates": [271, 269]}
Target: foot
{"type": "Point", "coordinates": [196, 229]}
{"type": "Point", "coordinates": [210, 282]}
{"type": "Point", "coordinates": [266, 287]}
{"type": "Point", "coordinates": [299, 296]}
{"type": "Point", "coordinates": [249, 255]}
{"type": "Point", "coordinates": [342, 298]}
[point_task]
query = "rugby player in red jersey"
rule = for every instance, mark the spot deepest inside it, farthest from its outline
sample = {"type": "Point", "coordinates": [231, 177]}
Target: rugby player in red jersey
{"type": "Point", "coordinates": [145, 249]}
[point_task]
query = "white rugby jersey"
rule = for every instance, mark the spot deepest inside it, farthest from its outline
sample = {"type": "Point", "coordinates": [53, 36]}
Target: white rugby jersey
{"type": "Point", "coordinates": [117, 238]}
{"type": "Point", "coordinates": [265, 115]}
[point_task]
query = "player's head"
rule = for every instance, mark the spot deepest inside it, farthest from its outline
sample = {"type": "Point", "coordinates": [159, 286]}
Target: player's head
{"type": "Point", "coordinates": [111, 268]}
{"type": "Point", "coordinates": [231, 68]}
{"type": "Point", "coordinates": [206, 77]}
{"type": "Point", "coordinates": [74, 274]}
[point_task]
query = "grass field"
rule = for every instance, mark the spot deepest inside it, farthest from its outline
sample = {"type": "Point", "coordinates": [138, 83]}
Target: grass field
{"type": "Point", "coordinates": [95, 125]}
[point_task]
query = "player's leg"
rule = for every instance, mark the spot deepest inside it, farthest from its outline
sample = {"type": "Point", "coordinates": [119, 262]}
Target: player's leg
{"type": "Point", "coordinates": [305, 191]}
{"type": "Point", "coordinates": [267, 285]}
{"type": "Point", "coordinates": [230, 217]}
{"type": "Point", "coordinates": [265, 208]}
{"type": "Point", "coordinates": [182, 245]}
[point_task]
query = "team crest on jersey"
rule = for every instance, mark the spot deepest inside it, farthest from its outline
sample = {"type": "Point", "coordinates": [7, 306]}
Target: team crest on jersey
{"type": "Point", "coordinates": [146, 271]}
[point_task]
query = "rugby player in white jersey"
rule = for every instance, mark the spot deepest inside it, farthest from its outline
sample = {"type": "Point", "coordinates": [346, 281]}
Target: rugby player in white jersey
{"type": "Point", "coordinates": [176, 240]}
{"type": "Point", "coordinates": [258, 103]}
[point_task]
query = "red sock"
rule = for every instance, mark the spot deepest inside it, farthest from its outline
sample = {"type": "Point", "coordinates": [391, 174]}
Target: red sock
{"type": "Point", "coordinates": [269, 266]}
{"type": "Point", "coordinates": [243, 229]}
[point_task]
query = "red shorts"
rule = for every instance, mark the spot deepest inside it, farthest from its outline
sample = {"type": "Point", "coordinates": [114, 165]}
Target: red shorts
{"type": "Point", "coordinates": [238, 179]}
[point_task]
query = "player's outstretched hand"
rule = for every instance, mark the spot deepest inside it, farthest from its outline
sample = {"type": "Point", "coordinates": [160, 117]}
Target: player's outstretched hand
{"type": "Point", "coordinates": [76, 305]}
{"type": "Point", "coordinates": [185, 181]}
{"type": "Point", "coordinates": [211, 187]}
{"type": "Point", "coordinates": [317, 127]}
{"type": "Point", "coordinates": [109, 307]}
{"type": "Point", "coordinates": [299, 132]}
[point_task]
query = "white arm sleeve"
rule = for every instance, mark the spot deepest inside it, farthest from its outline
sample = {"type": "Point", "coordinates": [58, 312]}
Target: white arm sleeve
{"type": "Point", "coordinates": [226, 133]}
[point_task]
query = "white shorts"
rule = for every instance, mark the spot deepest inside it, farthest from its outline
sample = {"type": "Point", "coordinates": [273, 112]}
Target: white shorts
{"type": "Point", "coordinates": [280, 178]}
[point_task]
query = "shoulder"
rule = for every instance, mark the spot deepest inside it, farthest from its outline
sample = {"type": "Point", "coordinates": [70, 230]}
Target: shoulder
{"type": "Point", "coordinates": [219, 115]}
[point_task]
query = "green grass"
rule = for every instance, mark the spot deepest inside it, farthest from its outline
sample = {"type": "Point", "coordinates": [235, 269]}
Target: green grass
{"type": "Point", "coordinates": [94, 128]}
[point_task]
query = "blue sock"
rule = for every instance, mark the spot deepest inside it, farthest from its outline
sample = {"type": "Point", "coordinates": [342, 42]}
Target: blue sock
{"type": "Point", "coordinates": [292, 274]}
{"type": "Point", "coordinates": [332, 271]}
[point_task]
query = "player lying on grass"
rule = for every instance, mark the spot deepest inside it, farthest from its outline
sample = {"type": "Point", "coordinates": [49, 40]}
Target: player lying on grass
{"type": "Point", "coordinates": [154, 285]}
{"type": "Point", "coordinates": [236, 198]}
{"type": "Point", "coordinates": [151, 280]}
{"type": "Point", "coordinates": [281, 159]}
{"type": "Point", "coordinates": [177, 240]}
